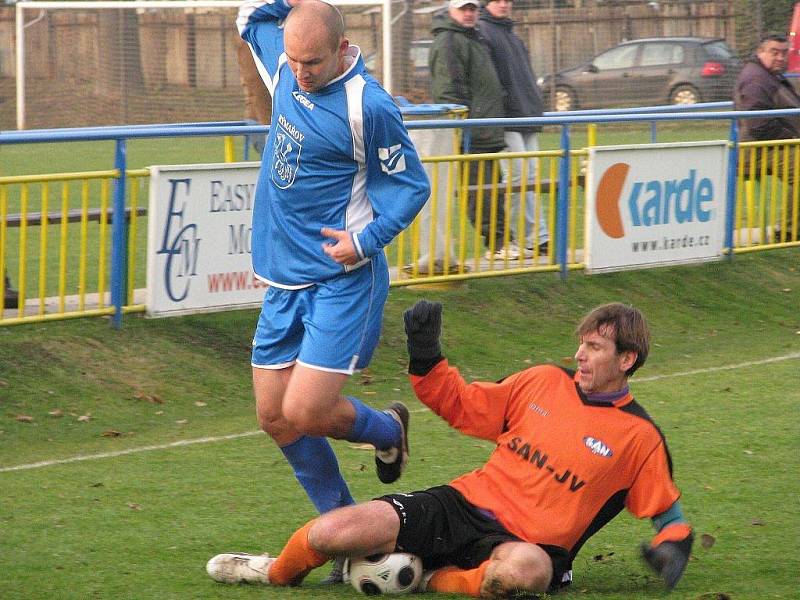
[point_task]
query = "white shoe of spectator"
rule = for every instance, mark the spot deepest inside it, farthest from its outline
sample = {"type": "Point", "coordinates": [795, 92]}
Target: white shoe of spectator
{"type": "Point", "coordinates": [543, 248]}
{"type": "Point", "coordinates": [510, 252]}
{"type": "Point", "coordinates": [525, 252]}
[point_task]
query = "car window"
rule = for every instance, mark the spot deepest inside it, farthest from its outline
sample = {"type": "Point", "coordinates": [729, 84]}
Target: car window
{"type": "Point", "coordinates": [661, 54]}
{"type": "Point", "coordinates": [718, 50]}
{"type": "Point", "coordinates": [621, 57]}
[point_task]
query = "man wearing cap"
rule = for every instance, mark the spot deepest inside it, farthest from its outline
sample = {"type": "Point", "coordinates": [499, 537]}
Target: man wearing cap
{"type": "Point", "coordinates": [462, 73]}
{"type": "Point", "coordinates": [523, 99]}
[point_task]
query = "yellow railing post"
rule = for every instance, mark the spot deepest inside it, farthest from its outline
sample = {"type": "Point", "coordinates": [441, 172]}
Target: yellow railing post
{"type": "Point", "coordinates": [43, 247]}
{"type": "Point", "coordinates": [229, 149]}
{"type": "Point", "coordinates": [23, 247]}
{"type": "Point", "coordinates": [3, 209]}
{"type": "Point", "coordinates": [591, 135]}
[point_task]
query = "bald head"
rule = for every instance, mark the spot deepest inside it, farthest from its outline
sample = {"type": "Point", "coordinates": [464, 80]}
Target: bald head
{"type": "Point", "coordinates": [313, 17]}
{"type": "Point", "coordinates": [314, 43]}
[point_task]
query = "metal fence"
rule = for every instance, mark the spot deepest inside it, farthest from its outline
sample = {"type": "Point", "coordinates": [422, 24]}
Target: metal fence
{"type": "Point", "coordinates": [75, 242]}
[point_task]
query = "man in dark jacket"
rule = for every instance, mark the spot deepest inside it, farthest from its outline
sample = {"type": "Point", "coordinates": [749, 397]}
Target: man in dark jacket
{"type": "Point", "coordinates": [462, 73]}
{"type": "Point", "coordinates": [762, 86]}
{"type": "Point", "coordinates": [523, 99]}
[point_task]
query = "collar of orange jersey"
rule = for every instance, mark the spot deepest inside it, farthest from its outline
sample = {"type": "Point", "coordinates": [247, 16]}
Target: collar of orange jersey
{"type": "Point", "coordinates": [617, 399]}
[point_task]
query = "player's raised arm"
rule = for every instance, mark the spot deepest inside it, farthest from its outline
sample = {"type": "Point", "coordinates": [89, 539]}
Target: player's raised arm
{"type": "Point", "coordinates": [477, 409]}
{"type": "Point", "coordinates": [260, 23]}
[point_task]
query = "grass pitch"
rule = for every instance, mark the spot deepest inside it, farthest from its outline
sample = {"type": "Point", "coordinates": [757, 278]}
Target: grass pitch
{"type": "Point", "coordinates": [721, 382]}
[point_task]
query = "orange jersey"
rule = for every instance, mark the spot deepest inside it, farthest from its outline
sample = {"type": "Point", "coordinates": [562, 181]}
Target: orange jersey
{"type": "Point", "coordinates": [563, 466]}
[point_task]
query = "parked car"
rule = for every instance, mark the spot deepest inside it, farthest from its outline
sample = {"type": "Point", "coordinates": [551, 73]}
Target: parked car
{"type": "Point", "coordinates": [651, 71]}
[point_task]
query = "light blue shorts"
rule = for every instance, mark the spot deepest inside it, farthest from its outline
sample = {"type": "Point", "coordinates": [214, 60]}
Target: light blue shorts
{"type": "Point", "coordinates": [333, 326]}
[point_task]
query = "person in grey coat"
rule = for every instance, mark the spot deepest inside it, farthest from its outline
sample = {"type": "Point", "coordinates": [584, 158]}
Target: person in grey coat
{"type": "Point", "coordinates": [523, 99]}
{"type": "Point", "coordinates": [762, 86]}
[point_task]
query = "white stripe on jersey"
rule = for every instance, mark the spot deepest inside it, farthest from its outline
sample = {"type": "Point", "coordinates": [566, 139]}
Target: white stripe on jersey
{"type": "Point", "coordinates": [246, 10]}
{"type": "Point", "coordinates": [355, 113]}
{"type": "Point", "coordinates": [242, 20]}
{"type": "Point", "coordinates": [268, 81]}
{"type": "Point", "coordinates": [359, 209]}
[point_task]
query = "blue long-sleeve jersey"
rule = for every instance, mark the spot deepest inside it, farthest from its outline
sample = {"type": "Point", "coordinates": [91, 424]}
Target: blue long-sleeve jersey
{"type": "Point", "coordinates": [339, 157]}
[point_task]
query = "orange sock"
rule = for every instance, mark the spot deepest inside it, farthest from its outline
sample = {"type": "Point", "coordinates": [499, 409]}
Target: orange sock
{"type": "Point", "coordinates": [452, 580]}
{"type": "Point", "coordinates": [296, 560]}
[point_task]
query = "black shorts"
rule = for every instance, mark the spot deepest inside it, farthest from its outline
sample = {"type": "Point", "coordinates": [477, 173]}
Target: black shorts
{"type": "Point", "coordinates": [442, 528]}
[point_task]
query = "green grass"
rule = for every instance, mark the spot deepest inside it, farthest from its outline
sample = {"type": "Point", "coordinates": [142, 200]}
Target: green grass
{"type": "Point", "coordinates": [142, 525]}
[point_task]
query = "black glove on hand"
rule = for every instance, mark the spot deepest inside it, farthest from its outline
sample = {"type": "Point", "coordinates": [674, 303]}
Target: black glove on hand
{"type": "Point", "coordinates": [423, 323]}
{"type": "Point", "coordinates": [669, 559]}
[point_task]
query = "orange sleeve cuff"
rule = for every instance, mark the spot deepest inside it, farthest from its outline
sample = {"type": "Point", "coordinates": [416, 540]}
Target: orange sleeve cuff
{"type": "Point", "coordinates": [672, 533]}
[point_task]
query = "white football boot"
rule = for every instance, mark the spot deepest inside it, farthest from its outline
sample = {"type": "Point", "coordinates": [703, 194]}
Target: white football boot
{"type": "Point", "coordinates": [239, 567]}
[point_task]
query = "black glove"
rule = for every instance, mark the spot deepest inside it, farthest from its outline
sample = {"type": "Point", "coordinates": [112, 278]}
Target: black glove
{"type": "Point", "coordinates": [669, 559]}
{"type": "Point", "coordinates": [423, 323]}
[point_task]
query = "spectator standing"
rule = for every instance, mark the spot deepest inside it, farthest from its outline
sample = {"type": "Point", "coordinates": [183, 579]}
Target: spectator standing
{"type": "Point", "coordinates": [761, 85]}
{"type": "Point", "coordinates": [462, 73]}
{"type": "Point", "coordinates": [523, 99]}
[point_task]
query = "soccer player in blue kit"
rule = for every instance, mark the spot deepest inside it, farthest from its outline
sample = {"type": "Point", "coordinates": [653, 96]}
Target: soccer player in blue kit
{"type": "Point", "coordinates": [339, 180]}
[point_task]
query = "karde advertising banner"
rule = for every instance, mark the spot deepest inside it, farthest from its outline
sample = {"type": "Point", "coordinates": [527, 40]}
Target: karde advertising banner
{"type": "Point", "coordinates": [199, 231]}
{"type": "Point", "coordinates": [655, 204]}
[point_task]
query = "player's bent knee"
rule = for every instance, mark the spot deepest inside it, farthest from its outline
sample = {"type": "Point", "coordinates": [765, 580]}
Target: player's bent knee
{"type": "Point", "coordinates": [277, 427]}
{"type": "Point", "coordinates": [273, 424]}
{"type": "Point", "coordinates": [508, 580]}
{"type": "Point", "coordinates": [357, 530]}
{"type": "Point", "coordinates": [302, 419]}
{"type": "Point", "coordinates": [322, 535]}
{"type": "Point", "coordinates": [525, 568]}
{"type": "Point", "coordinates": [268, 423]}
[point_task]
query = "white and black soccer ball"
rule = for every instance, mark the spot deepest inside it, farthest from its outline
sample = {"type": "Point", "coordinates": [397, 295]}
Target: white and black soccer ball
{"type": "Point", "coordinates": [395, 573]}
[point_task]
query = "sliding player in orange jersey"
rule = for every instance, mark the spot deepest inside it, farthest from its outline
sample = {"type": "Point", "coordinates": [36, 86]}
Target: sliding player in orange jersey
{"type": "Point", "coordinates": [573, 448]}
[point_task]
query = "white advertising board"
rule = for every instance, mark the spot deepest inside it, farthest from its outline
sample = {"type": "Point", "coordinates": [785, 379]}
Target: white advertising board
{"type": "Point", "coordinates": [198, 250]}
{"type": "Point", "coordinates": [655, 204]}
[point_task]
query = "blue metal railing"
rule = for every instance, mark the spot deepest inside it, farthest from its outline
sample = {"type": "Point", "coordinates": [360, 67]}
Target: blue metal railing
{"type": "Point", "coordinates": [564, 119]}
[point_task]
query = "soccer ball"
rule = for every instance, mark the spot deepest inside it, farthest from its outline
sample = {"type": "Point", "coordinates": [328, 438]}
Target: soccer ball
{"type": "Point", "coordinates": [395, 573]}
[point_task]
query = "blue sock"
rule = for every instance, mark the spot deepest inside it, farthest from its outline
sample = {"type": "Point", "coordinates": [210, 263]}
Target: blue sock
{"type": "Point", "coordinates": [373, 426]}
{"type": "Point", "coordinates": [317, 470]}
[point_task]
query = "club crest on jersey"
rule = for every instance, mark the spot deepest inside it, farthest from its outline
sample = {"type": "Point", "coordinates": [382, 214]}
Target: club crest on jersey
{"type": "Point", "coordinates": [303, 100]}
{"type": "Point", "coordinates": [597, 447]}
{"type": "Point", "coordinates": [392, 159]}
{"type": "Point", "coordinates": [286, 153]}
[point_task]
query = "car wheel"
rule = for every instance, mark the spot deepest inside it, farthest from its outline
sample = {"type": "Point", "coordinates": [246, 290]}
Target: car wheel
{"type": "Point", "coordinates": [684, 94]}
{"type": "Point", "coordinates": [565, 99]}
